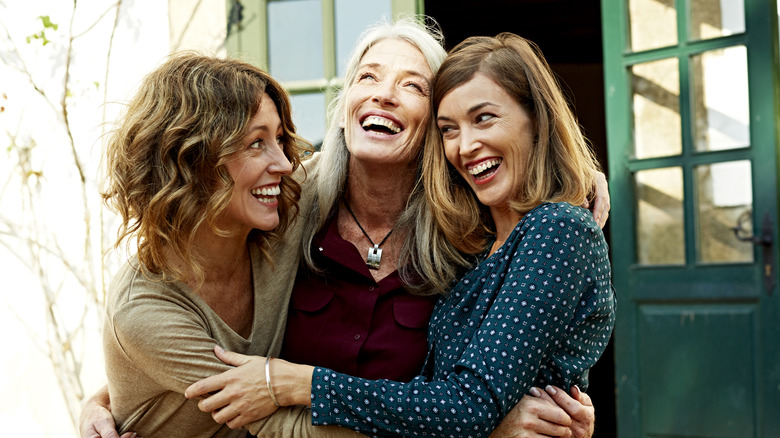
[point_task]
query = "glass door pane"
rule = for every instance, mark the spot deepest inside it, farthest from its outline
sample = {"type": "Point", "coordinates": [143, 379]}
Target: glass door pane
{"type": "Point", "coordinates": [660, 238]}
{"type": "Point", "coordinates": [656, 108]}
{"type": "Point", "coordinates": [720, 99]}
{"type": "Point", "coordinates": [724, 200]}
{"type": "Point", "coordinates": [653, 24]}
{"type": "Point", "coordinates": [716, 18]}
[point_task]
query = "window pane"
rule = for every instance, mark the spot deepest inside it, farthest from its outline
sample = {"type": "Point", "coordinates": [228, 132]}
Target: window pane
{"type": "Point", "coordinates": [720, 97]}
{"type": "Point", "coordinates": [715, 18]}
{"type": "Point", "coordinates": [724, 194]}
{"type": "Point", "coordinates": [295, 39]}
{"type": "Point", "coordinates": [656, 104]}
{"type": "Point", "coordinates": [352, 18]}
{"type": "Point", "coordinates": [659, 228]}
{"type": "Point", "coordinates": [653, 24]}
{"type": "Point", "coordinates": [309, 116]}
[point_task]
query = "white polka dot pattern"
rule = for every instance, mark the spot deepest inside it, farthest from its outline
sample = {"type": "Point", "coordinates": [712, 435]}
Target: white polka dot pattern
{"type": "Point", "coordinates": [539, 310]}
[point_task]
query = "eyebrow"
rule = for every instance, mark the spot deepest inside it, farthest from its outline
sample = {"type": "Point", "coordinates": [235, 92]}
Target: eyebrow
{"type": "Point", "coordinates": [414, 73]}
{"type": "Point", "coordinates": [253, 129]}
{"type": "Point", "coordinates": [473, 109]}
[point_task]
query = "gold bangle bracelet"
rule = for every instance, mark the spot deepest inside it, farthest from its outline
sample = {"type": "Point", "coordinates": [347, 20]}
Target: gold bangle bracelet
{"type": "Point", "coordinates": [268, 381]}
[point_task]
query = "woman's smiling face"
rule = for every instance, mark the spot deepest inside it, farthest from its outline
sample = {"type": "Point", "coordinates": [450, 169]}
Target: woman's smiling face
{"type": "Point", "coordinates": [388, 104]}
{"type": "Point", "coordinates": [257, 173]}
{"type": "Point", "coordinates": [487, 137]}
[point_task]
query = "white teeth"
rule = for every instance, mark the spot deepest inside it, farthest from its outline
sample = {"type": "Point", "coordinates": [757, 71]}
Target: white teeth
{"type": "Point", "coordinates": [267, 191]}
{"type": "Point", "coordinates": [381, 121]}
{"type": "Point", "coordinates": [484, 166]}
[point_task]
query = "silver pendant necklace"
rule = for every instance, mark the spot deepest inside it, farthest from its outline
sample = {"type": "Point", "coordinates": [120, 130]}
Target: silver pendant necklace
{"type": "Point", "coordinates": [374, 252]}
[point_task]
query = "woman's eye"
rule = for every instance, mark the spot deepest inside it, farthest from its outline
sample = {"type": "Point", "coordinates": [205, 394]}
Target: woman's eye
{"type": "Point", "coordinates": [257, 144]}
{"type": "Point", "coordinates": [484, 117]}
{"type": "Point", "coordinates": [366, 75]}
{"type": "Point", "coordinates": [446, 129]}
{"type": "Point", "coordinates": [416, 86]}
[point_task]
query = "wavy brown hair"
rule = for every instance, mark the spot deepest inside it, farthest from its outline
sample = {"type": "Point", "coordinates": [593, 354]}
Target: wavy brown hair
{"type": "Point", "coordinates": [561, 165]}
{"type": "Point", "coordinates": [165, 170]}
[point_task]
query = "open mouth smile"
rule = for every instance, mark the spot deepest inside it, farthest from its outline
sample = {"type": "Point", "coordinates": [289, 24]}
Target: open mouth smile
{"type": "Point", "coordinates": [380, 125]}
{"type": "Point", "coordinates": [484, 169]}
{"type": "Point", "coordinates": [266, 194]}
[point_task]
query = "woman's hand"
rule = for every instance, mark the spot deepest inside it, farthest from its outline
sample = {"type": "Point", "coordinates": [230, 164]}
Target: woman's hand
{"type": "Point", "coordinates": [96, 420]}
{"type": "Point", "coordinates": [579, 407]}
{"type": "Point", "coordinates": [601, 204]}
{"type": "Point", "coordinates": [534, 417]}
{"type": "Point", "coordinates": [552, 413]}
{"type": "Point", "coordinates": [235, 397]}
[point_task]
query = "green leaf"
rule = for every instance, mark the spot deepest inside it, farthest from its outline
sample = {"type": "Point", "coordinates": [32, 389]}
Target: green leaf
{"type": "Point", "coordinates": [39, 36]}
{"type": "Point", "coordinates": [47, 22]}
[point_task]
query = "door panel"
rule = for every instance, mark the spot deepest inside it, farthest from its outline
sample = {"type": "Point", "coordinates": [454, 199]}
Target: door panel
{"type": "Point", "coordinates": [697, 368]}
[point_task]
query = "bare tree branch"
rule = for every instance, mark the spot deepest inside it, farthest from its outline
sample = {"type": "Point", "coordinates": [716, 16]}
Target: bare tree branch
{"type": "Point", "coordinates": [39, 248]}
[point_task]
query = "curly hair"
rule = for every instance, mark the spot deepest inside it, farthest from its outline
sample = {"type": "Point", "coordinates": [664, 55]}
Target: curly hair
{"type": "Point", "coordinates": [561, 164]}
{"type": "Point", "coordinates": [165, 164]}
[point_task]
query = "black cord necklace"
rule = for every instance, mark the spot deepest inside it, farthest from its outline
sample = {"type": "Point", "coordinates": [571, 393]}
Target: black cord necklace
{"type": "Point", "coordinates": [375, 252]}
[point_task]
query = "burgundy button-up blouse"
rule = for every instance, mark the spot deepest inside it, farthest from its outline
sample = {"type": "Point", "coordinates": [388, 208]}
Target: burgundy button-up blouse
{"type": "Point", "coordinates": [346, 321]}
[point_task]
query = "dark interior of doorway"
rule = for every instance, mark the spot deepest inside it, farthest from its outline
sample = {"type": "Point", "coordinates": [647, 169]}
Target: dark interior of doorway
{"type": "Point", "coordinates": [569, 34]}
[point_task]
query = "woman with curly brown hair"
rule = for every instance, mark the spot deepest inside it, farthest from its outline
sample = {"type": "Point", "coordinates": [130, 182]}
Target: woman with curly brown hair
{"type": "Point", "coordinates": [199, 171]}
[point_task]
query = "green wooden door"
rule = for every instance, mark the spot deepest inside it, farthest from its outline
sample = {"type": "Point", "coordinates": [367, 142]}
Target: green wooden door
{"type": "Point", "coordinates": [692, 96]}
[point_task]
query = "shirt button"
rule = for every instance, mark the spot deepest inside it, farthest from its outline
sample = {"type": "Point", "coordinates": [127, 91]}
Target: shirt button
{"type": "Point", "coordinates": [320, 248]}
{"type": "Point", "coordinates": [371, 288]}
{"type": "Point", "coordinates": [357, 336]}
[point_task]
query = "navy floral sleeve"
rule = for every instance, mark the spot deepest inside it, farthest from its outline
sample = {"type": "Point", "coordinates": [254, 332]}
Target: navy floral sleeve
{"type": "Point", "coordinates": [538, 311]}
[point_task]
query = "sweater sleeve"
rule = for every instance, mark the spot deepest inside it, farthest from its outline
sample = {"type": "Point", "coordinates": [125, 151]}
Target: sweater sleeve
{"type": "Point", "coordinates": [170, 344]}
{"type": "Point", "coordinates": [295, 421]}
{"type": "Point", "coordinates": [535, 290]}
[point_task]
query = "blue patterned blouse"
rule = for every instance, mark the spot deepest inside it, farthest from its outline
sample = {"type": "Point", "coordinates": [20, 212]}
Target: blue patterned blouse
{"type": "Point", "coordinates": [538, 311]}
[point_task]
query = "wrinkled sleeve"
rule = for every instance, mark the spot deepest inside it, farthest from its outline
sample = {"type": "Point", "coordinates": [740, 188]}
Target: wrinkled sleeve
{"type": "Point", "coordinates": [167, 342]}
{"type": "Point", "coordinates": [295, 421]}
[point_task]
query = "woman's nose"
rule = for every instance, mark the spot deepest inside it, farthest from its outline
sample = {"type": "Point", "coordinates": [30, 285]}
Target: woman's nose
{"type": "Point", "coordinates": [385, 94]}
{"type": "Point", "coordinates": [280, 162]}
{"type": "Point", "coordinates": [468, 143]}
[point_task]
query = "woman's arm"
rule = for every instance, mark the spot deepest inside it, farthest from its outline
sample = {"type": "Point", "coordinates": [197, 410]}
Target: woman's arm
{"type": "Point", "coordinates": [237, 394]}
{"type": "Point", "coordinates": [537, 416]}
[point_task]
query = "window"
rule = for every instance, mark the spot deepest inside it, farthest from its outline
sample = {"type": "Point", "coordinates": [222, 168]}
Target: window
{"type": "Point", "coordinates": [305, 44]}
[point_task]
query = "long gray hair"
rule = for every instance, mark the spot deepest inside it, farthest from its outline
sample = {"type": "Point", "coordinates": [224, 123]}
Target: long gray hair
{"type": "Point", "coordinates": [427, 262]}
